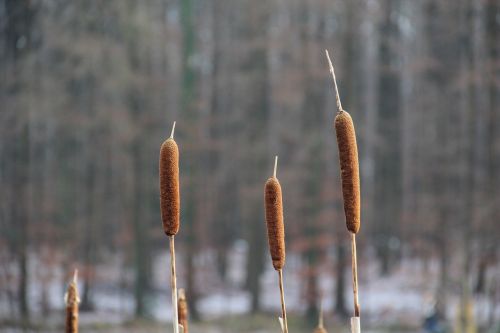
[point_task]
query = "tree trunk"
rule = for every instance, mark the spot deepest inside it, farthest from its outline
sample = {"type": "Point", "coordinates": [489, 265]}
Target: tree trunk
{"type": "Point", "coordinates": [388, 162]}
{"type": "Point", "coordinates": [255, 262]}
{"type": "Point", "coordinates": [21, 15]}
{"type": "Point", "coordinates": [141, 254]}
{"type": "Point", "coordinates": [192, 294]}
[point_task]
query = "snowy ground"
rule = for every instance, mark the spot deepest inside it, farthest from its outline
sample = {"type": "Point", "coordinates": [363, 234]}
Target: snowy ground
{"type": "Point", "coordinates": [403, 297]}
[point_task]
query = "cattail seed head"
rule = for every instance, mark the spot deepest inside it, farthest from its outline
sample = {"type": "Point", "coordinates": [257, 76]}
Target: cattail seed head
{"type": "Point", "coordinates": [274, 220]}
{"type": "Point", "coordinates": [183, 310]}
{"type": "Point", "coordinates": [169, 186]}
{"type": "Point", "coordinates": [72, 297]}
{"type": "Point", "coordinates": [349, 169]}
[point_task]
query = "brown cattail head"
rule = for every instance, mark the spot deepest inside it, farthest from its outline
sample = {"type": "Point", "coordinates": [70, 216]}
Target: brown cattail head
{"type": "Point", "coordinates": [183, 310]}
{"type": "Point", "coordinates": [274, 220]}
{"type": "Point", "coordinates": [348, 155]}
{"type": "Point", "coordinates": [72, 299]}
{"type": "Point", "coordinates": [349, 170]}
{"type": "Point", "coordinates": [169, 186]}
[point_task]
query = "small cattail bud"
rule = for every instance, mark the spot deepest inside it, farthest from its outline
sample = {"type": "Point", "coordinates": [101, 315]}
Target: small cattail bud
{"type": "Point", "coordinates": [183, 310]}
{"type": "Point", "coordinates": [349, 169]}
{"type": "Point", "coordinates": [274, 220]}
{"type": "Point", "coordinates": [169, 186]}
{"type": "Point", "coordinates": [72, 299]}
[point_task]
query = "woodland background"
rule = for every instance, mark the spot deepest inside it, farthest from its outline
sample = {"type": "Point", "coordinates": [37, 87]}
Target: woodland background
{"type": "Point", "coordinates": [90, 89]}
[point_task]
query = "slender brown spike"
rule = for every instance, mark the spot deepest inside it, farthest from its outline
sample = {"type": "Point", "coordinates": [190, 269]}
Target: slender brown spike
{"type": "Point", "coordinates": [183, 310]}
{"type": "Point", "coordinates": [349, 166]}
{"type": "Point", "coordinates": [349, 170]}
{"type": "Point", "coordinates": [72, 299]}
{"type": "Point", "coordinates": [169, 186]}
{"type": "Point", "coordinates": [337, 96]}
{"type": "Point", "coordinates": [173, 285]}
{"type": "Point", "coordinates": [274, 220]}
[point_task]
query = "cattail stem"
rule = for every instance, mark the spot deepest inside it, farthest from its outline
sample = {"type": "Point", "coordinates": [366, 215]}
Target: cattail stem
{"type": "Point", "coordinates": [173, 283]}
{"type": "Point", "coordinates": [355, 325]}
{"type": "Point", "coordinates": [355, 275]}
{"type": "Point", "coordinates": [283, 307]}
{"type": "Point", "coordinates": [320, 320]}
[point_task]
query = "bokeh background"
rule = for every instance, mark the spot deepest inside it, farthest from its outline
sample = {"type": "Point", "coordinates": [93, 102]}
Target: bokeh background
{"type": "Point", "coordinates": [90, 89]}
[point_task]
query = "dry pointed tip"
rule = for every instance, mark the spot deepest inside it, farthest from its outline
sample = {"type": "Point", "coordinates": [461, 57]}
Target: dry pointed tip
{"type": "Point", "coordinates": [75, 276]}
{"type": "Point", "coordinates": [275, 165]}
{"type": "Point", "coordinates": [173, 130]}
{"type": "Point", "coordinates": [337, 96]}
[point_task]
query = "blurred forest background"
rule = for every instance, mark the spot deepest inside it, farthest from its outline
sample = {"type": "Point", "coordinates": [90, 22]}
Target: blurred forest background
{"type": "Point", "coordinates": [90, 89]}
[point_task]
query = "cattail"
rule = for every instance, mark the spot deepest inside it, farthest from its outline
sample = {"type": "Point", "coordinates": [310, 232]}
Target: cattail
{"type": "Point", "coordinates": [183, 310]}
{"type": "Point", "coordinates": [276, 234]}
{"type": "Point", "coordinates": [72, 299]}
{"type": "Point", "coordinates": [274, 220]}
{"type": "Point", "coordinates": [170, 209]}
{"type": "Point", "coordinates": [169, 185]}
{"type": "Point", "coordinates": [349, 168]}
{"type": "Point", "coordinates": [348, 156]}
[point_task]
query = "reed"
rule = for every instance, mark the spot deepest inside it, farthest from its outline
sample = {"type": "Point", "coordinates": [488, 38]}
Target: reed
{"type": "Point", "coordinates": [349, 171]}
{"type": "Point", "coordinates": [72, 299]}
{"type": "Point", "coordinates": [170, 208]}
{"type": "Point", "coordinates": [276, 232]}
